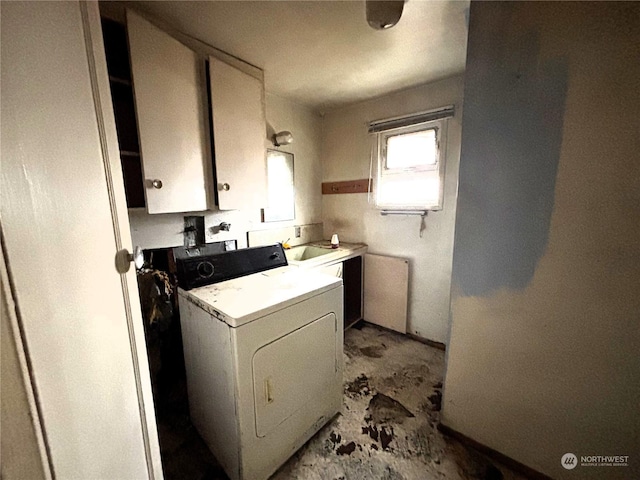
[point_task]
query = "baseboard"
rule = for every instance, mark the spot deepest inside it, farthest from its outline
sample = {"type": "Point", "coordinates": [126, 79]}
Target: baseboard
{"type": "Point", "coordinates": [426, 341]}
{"type": "Point", "coordinates": [494, 454]}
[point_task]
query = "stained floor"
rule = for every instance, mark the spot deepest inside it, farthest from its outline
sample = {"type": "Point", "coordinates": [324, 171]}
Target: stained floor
{"type": "Point", "coordinates": [387, 428]}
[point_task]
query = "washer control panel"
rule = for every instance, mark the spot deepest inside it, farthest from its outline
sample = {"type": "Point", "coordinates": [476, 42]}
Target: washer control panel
{"type": "Point", "coordinates": [208, 269]}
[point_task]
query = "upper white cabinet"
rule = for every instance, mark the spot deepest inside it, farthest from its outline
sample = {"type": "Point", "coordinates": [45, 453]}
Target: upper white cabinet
{"type": "Point", "coordinates": [172, 119]}
{"type": "Point", "coordinates": [239, 131]}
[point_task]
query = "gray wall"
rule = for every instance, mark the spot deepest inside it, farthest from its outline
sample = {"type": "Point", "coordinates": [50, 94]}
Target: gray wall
{"type": "Point", "coordinates": [544, 349]}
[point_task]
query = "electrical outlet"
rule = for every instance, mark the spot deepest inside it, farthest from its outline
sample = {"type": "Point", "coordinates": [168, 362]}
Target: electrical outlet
{"type": "Point", "coordinates": [297, 232]}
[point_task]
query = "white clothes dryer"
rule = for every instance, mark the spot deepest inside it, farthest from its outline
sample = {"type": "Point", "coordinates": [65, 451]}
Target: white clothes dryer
{"type": "Point", "coordinates": [263, 356]}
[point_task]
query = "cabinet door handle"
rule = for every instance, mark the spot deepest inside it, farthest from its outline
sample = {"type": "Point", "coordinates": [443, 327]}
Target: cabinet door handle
{"type": "Point", "coordinates": [268, 391]}
{"type": "Point", "coordinates": [224, 186]}
{"type": "Point", "coordinates": [157, 183]}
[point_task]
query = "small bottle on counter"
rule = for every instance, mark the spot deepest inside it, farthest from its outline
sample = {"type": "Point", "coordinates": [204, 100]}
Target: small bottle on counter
{"type": "Point", "coordinates": [335, 243]}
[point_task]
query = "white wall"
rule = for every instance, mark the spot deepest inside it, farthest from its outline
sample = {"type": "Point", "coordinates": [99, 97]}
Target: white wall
{"type": "Point", "coordinates": [346, 150]}
{"type": "Point", "coordinates": [155, 231]}
{"type": "Point", "coordinates": [544, 357]}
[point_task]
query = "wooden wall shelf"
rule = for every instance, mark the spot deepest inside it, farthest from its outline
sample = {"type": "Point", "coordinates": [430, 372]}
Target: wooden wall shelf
{"type": "Point", "coordinates": [348, 186]}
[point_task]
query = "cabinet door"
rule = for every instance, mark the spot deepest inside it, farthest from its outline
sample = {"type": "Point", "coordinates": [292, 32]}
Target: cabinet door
{"type": "Point", "coordinates": [168, 90]}
{"type": "Point", "coordinates": [239, 131]}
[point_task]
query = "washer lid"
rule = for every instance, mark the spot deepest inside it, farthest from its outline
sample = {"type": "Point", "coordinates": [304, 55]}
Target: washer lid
{"type": "Point", "coordinates": [245, 299]}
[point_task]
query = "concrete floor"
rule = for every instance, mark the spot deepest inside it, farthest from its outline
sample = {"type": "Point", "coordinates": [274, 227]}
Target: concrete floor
{"type": "Point", "coordinates": [386, 429]}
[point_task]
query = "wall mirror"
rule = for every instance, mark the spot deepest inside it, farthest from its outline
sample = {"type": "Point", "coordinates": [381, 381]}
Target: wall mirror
{"type": "Point", "coordinates": [280, 187]}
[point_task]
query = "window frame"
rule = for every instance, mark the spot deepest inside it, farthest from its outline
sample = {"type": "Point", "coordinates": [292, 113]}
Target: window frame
{"type": "Point", "coordinates": [382, 172]}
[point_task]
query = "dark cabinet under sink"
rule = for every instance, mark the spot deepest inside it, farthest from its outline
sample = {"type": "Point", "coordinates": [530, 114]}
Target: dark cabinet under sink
{"type": "Point", "coordinates": [352, 280]}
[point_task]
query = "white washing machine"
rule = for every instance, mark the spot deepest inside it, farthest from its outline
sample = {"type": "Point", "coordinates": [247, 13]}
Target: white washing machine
{"type": "Point", "coordinates": [263, 355]}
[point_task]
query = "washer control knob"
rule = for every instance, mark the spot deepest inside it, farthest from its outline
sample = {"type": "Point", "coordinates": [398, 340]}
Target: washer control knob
{"type": "Point", "coordinates": [205, 269]}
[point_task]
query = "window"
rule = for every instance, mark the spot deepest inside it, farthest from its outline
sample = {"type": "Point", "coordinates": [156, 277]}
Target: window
{"type": "Point", "coordinates": [412, 150]}
{"type": "Point", "coordinates": [410, 161]}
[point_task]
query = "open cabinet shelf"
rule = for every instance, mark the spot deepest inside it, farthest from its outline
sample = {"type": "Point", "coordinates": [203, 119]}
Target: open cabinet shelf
{"type": "Point", "coordinates": [117, 53]}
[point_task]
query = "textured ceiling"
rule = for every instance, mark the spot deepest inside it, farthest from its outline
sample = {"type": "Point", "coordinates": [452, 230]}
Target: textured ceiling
{"type": "Point", "coordinates": [323, 54]}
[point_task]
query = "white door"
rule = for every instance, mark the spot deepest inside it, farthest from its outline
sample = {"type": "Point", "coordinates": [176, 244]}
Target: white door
{"type": "Point", "coordinates": [63, 219]}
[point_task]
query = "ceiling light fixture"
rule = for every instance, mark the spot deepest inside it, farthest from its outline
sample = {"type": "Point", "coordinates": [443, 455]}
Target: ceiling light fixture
{"type": "Point", "coordinates": [383, 14]}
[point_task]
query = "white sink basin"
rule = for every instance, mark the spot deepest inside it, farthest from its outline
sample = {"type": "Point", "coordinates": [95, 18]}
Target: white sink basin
{"type": "Point", "coordinates": [306, 252]}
